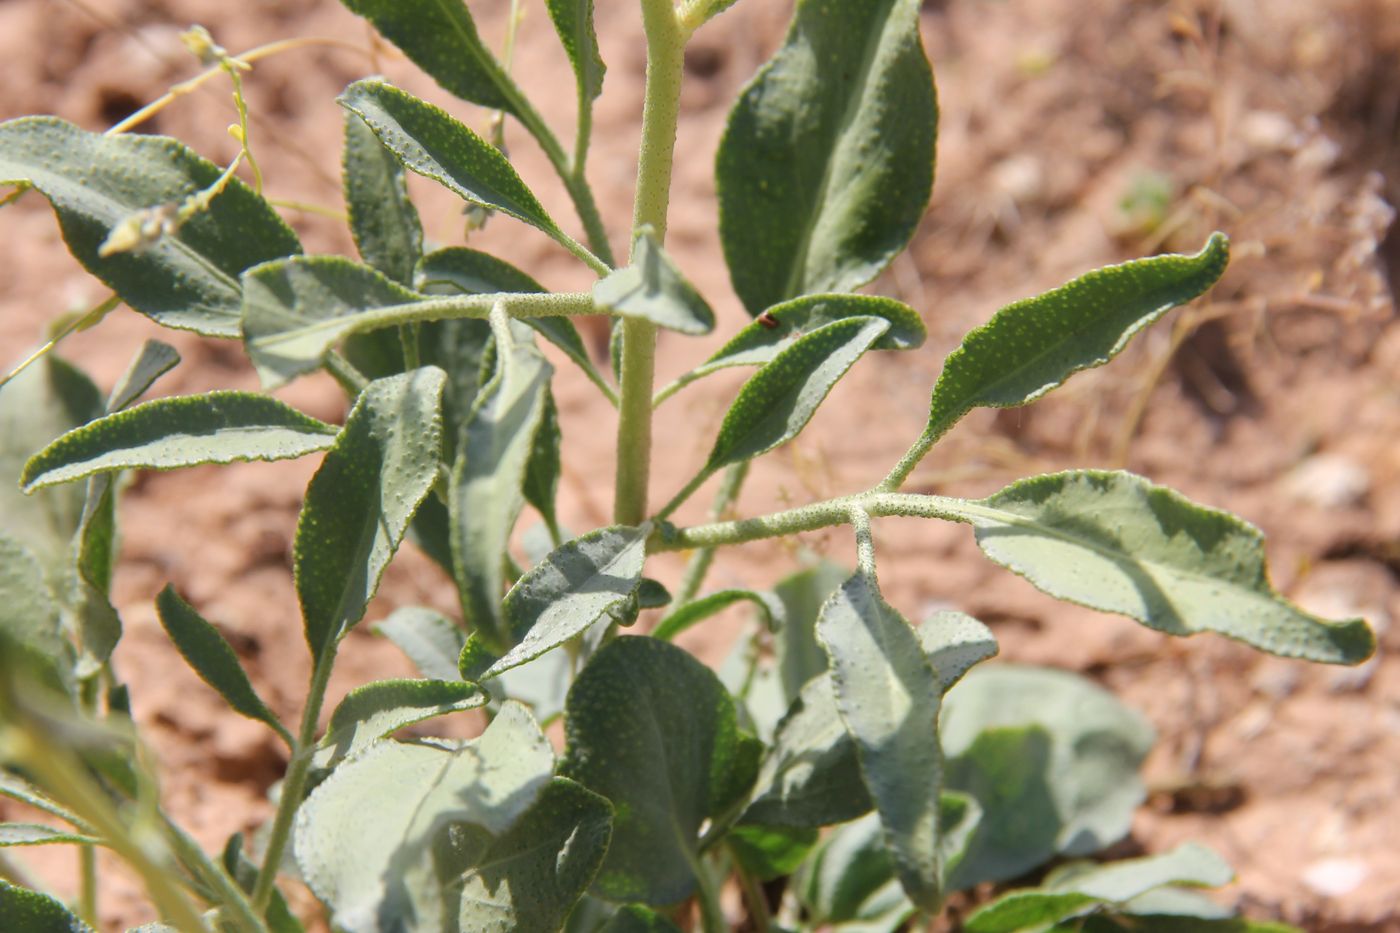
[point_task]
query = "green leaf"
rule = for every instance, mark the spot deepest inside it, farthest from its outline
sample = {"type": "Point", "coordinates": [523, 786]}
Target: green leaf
{"type": "Point", "coordinates": [279, 916]}
{"type": "Point", "coordinates": [152, 361]}
{"type": "Point", "coordinates": [1114, 884]}
{"type": "Point", "coordinates": [850, 879]}
{"type": "Point", "coordinates": [431, 640]}
{"type": "Point", "coordinates": [778, 400]}
{"type": "Point", "coordinates": [383, 220]}
{"type": "Point", "coordinates": [359, 503]}
{"type": "Point", "coordinates": [469, 272]}
{"type": "Point", "coordinates": [758, 343]}
{"type": "Point", "coordinates": [652, 730]}
{"type": "Point", "coordinates": [211, 657]}
{"type": "Point", "coordinates": [187, 279]}
{"type": "Point", "coordinates": [17, 788]}
{"type": "Point", "coordinates": [29, 617]}
{"type": "Point", "coordinates": [296, 311]}
{"type": "Point", "coordinates": [888, 696]}
{"type": "Point", "coordinates": [168, 433]}
{"type": "Point", "coordinates": [379, 709]}
{"type": "Point", "coordinates": [1115, 542]}
{"type": "Point", "coordinates": [573, 20]}
{"type": "Point", "coordinates": [33, 834]}
{"type": "Point", "coordinates": [652, 289]}
{"type": "Point", "coordinates": [826, 164]}
{"type": "Point", "coordinates": [38, 405]}
{"type": "Point", "coordinates": [769, 852]}
{"type": "Point", "coordinates": [811, 775]}
{"type": "Point", "coordinates": [541, 482]}
{"type": "Point", "coordinates": [532, 876]}
{"type": "Point", "coordinates": [634, 918]}
{"type": "Point", "coordinates": [435, 145]}
{"type": "Point", "coordinates": [953, 642]}
{"type": "Point", "coordinates": [1032, 346]}
{"type": "Point", "coordinates": [1051, 759]}
{"type": "Point", "coordinates": [440, 37]}
{"type": "Point", "coordinates": [573, 588]}
{"type": "Point", "coordinates": [770, 611]}
{"type": "Point", "coordinates": [800, 657]}
{"type": "Point", "coordinates": [485, 495]}
{"type": "Point", "coordinates": [369, 838]}
{"type": "Point", "coordinates": [32, 912]}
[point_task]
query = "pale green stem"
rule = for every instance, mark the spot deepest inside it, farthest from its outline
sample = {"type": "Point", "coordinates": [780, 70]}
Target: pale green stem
{"type": "Point", "coordinates": [345, 374]}
{"type": "Point", "coordinates": [87, 894]}
{"type": "Point", "coordinates": [571, 175]}
{"type": "Point", "coordinates": [824, 515]}
{"type": "Point", "coordinates": [674, 386]}
{"type": "Point", "coordinates": [700, 562]}
{"type": "Point", "coordinates": [294, 784]}
{"type": "Point", "coordinates": [230, 895]}
{"type": "Point", "coordinates": [914, 454]}
{"type": "Point", "coordinates": [711, 913]}
{"type": "Point", "coordinates": [660, 112]}
{"type": "Point", "coordinates": [753, 896]}
{"type": "Point", "coordinates": [686, 492]}
{"type": "Point", "coordinates": [82, 322]}
{"type": "Point", "coordinates": [59, 771]}
{"type": "Point", "coordinates": [865, 543]}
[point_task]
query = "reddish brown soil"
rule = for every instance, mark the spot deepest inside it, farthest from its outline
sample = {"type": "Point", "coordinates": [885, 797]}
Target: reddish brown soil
{"type": "Point", "coordinates": [1276, 397]}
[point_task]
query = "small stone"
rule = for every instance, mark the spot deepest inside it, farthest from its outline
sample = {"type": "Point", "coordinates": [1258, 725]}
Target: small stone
{"type": "Point", "coordinates": [1330, 481]}
{"type": "Point", "coordinates": [1336, 877]}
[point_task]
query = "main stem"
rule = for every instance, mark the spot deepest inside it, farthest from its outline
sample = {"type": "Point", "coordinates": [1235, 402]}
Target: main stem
{"type": "Point", "coordinates": [665, 61]}
{"type": "Point", "coordinates": [294, 784]}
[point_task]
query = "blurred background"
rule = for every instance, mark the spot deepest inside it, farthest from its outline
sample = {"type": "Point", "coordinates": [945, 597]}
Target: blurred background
{"type": "Point", "coordinates": [1074, 133]}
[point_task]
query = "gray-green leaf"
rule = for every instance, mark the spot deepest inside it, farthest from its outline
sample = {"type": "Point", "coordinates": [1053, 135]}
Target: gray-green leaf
{"type": "Point", "coordinates": [1051, 759]}
{"type": "Point", "coordinates": [186, 279]}
{"type": "Point", "coordinates": [652, 730]}
{"type": "Point", "coordinates": [29, 616]}
{"type": "Point", "coordinates": [778, 400]}
{"type": "Point", "coordinates": [211, 657]}
{"type": "Point", "coordinates": [37, 406]}
{"type": "Point", "coordinates": [440, 37]}
{"type": "Point", "coordinates": [470, 272]}
{"type": "Point", "coordinates": [152, 361]}
{"type": "Point", "coordinates": [368, 838]}
{"type": "Point", "coordinates": [429, 639]}
{"type": "Point", "coordinates": [531, 877]}
{"type": "Point", "coordinates": [1116, 542]}
{"type": "Point", "coordinates": [1114, 884]}
{"type": "Point", "coordinates": [1032, 346]}
{"type": "Point", "coordinates": [888, 696]}
{"type": "Point", "coordinates": [652, 289]}
{"type": "Point", "coordinates": [168, 433]}
{"type": "Point", "coordinates": [826, 164]}
{"type": "Point", "coordinates": [435, 145]}
{"type": "Point", "coordinates": [359, 503]}
{"type": "Point", "coordinates": [383, 220]}
{"type": "Point", "coordinates": [810, 776]}
{"type": "Point", "coordinates": [485, 496]}
{"type": "Point", "coordinates": [562, 596]}
{"type": "Point", "coordinates": [295, 312]}
{"type": "Point", "coordinates": [379, 709]}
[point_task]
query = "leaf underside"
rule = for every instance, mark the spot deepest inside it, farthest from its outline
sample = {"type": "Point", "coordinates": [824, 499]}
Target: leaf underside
{"type": "Point", "coordinates": [188, 279]}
